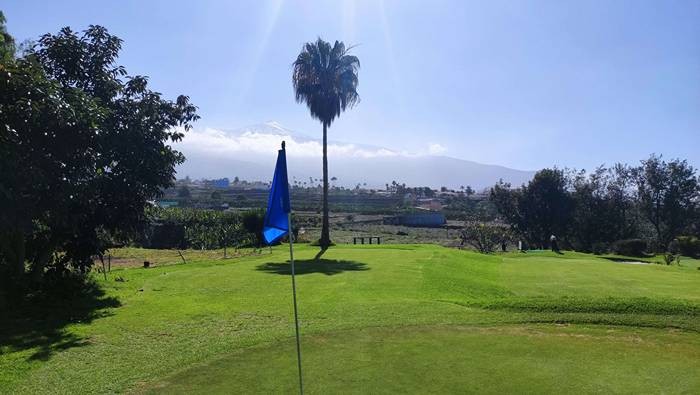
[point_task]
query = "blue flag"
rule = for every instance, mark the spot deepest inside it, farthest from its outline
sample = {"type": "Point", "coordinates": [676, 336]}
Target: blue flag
{"type": "Point", "coordinates": [277, 217]}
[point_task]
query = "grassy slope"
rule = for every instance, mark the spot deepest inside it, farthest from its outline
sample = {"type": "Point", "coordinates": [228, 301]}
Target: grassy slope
{"type": "Point", "coordinates": [457, 359]}
{"type": "Point", "coordinates": [402, 316]}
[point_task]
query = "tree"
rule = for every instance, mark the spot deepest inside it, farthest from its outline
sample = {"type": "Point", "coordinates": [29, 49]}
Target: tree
{"type": "Point", "coordinates": [538, 209]}
{"type": "Point", "coordinates": [668, 194]}
{"type": "Point", "coordinates": [507, 200]}
{"type": "Point", "coordinates": [547, 204]}
{"type": "Point", "coordinates": [325, 77]}
{"type": "Point", "coordinates": [601, 206]}
{"type": "Point", "coordinates": [7, 43]}
{"type": "Point", "coordinates": [620, 193]}
{"type": "Point", "coordinates": [484, 237]}
{"type": "Point", "coordinates": [598, 210]}
{"type": "Point", "coordinates": [83, 148]}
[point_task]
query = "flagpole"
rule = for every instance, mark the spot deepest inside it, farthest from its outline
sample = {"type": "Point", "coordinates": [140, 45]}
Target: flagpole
{"type": "Point", "coordinates": [294, 296]}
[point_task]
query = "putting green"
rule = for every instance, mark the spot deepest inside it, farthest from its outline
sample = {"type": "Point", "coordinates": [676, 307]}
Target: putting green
{"type": "Point", "coordinates": [388, 318]}
{"type": "Point", "coordinates": [455, 359]}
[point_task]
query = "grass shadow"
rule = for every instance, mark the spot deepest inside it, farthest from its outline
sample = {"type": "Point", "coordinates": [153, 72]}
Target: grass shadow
{"type": "Point", "coordinates": [38, 322]}
{"type": "Point", "coordinates": [320, 253]}
{"type": "Point", "coordinates": [328, 267]}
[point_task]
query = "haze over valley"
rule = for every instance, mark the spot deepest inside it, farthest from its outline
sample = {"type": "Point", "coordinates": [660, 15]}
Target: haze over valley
{"type": "Point", "coordinates": [249, 152]}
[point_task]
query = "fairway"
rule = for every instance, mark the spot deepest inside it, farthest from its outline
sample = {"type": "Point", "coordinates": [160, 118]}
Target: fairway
{"type": "Point", "coordinates": [455, 359]}
{"type": "Point", "coordinates": [380, 319]}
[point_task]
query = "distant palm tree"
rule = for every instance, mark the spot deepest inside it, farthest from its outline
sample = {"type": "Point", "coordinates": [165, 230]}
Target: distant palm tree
{"type": "Point", "coordinates": [325, 78]}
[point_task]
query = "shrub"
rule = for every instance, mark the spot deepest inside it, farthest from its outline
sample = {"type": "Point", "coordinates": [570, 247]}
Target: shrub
{"type": "Point", "coordinates": [167, 235]}
{"type": "Point", "coordinates": [254, 222]}
{"type": "Point", "coordinates": [689, 245]}
{"type": "Point", "coordinates": [484, 237]}
{"type": "Point", "coordinates": [600, 248]}
{"type": "Point", "coordinates": [630, 247]}
{"type": "Point", "coordinates": [192, 228]}
{"type": "Point", "coordinates": [670, 259]}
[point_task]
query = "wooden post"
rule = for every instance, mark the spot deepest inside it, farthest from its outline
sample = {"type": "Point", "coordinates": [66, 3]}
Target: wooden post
{"type": "Point", "coordinates": [104, 269]}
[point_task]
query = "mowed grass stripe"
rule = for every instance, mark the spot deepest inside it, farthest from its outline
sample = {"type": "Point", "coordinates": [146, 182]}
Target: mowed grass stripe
{"type": "Point", "coordinates": [456, 359]}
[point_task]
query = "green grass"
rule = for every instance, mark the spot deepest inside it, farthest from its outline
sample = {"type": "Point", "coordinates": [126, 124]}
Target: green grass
{"type": "Point", "coordinates": [457, 359]}
{"type": "Point", "coordinates": [390, 318]}
{"type": "Point", "coordinates": [134, 257]}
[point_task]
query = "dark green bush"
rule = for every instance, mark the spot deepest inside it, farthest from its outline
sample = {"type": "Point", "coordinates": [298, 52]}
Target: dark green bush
{"type": "Point", "coordinates": [672, 259]}
{"type": "Point", "coordinates": [183, 228]}
{"type": "Point", "coordinates": [630, 247]}
{"type": "Point", "coordinates": [253, 223]}
{"type": "Point", "coordinates": [689, 246]}
{"type": "Point", "coordinates": [600, 248]}
{"type": "Point", "coordinates": [167, 235]}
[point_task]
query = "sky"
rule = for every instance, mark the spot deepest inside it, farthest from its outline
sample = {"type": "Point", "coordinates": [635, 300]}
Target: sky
{"type": "Point", "coordinates": [524, 84]}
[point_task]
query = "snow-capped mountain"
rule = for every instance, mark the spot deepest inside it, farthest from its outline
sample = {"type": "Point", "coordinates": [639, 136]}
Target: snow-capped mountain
{"type": "Point", "coordinates": [249, 153]}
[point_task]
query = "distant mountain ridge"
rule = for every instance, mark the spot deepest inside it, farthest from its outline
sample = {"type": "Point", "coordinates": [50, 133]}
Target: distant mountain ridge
{"type": "Point", "coordinates": [249, 152]}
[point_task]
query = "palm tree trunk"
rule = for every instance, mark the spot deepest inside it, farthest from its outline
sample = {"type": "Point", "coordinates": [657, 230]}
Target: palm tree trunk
{"type": "Point", "coordinates": [325, 231]}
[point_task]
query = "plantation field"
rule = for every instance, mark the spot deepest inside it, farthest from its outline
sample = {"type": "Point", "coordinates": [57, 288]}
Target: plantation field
{"type": "Point", "coordinates": [379, 319]}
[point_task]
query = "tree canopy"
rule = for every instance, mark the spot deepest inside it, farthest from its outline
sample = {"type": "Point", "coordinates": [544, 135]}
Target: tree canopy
{"type": "Point", "coordinates": [7, 43]}
{"type": "Point", "coordinates": [668, 194]}
{"type": "Point", "coordinates": [83, 147]}
{"type": "Point", "coordinates": [655, 201]}
{"type": "Point", "coordinates": [325, 78]}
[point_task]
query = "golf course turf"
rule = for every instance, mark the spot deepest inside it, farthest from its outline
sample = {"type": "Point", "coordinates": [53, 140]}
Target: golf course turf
{"type": "Point", "coordinates": [374, 319]}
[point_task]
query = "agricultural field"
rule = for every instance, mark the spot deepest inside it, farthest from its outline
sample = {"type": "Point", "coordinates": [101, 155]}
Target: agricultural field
{"type": "Point", "coordinates": [405, 318]}
{"type": "Point", "coordinates": [346, 226]}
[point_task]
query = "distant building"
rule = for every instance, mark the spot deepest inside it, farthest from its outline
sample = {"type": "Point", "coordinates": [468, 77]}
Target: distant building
{"type": "Point", "coordinates": [220, 183]}
{"type": "Point", "coordinates": [425, 219]}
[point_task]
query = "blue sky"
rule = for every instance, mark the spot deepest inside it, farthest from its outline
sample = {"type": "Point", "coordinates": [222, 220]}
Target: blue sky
{"type": "Point", "coordinates": [516, 83]}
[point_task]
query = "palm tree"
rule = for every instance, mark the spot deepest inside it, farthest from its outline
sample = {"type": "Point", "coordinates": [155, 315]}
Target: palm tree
{"type": "Point", "coordinates": [325, 78]}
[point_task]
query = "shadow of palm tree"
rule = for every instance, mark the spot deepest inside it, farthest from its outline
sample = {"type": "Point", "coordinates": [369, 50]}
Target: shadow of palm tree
{"type": "Point", "coordinates": [320, 253]}
{"type": "Point", "coordinates": [38, 323]}
{"type": "Point", "coordinates": [328, 267]}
